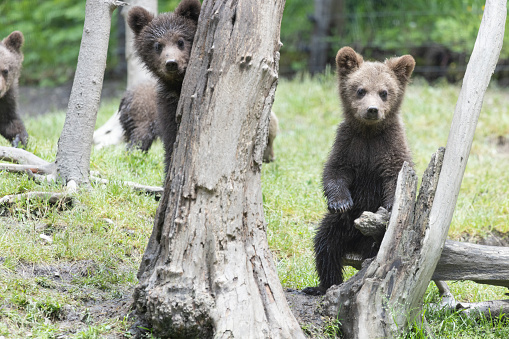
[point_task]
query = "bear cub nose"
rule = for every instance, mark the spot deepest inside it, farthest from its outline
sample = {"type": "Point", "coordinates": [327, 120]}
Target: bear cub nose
{"type": "Point", "coordinates": [372, 113]}
{"type": "Point", "coordinates": [171, 65]}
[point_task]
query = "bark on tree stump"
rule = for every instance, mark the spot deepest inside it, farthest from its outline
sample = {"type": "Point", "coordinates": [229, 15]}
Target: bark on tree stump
{"type": "Point", "coordinates": [207, 270]}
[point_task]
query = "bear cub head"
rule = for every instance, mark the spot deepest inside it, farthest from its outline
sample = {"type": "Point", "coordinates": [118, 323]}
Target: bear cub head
{"type": "Point", "coordinates": [164, 42]}
{"type": "Point", "coordinates": [372, 92]}
{"type": "Point", "coordinates": [11, 59]}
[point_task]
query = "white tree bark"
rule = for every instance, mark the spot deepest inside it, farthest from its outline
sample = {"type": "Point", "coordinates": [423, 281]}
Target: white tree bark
{"type": "Point", "coordinates": [319, 46]}
{"type": "Point", "coordinates": [75, 143]}
{"type": "Point", "coordinates": [207, 270]}
{"type": "Point", "coordinates": [387, 294]}
{"type": "Point", "coordinates": [111, 132]}
{"type": "Point", "coordinates": [136, 72]}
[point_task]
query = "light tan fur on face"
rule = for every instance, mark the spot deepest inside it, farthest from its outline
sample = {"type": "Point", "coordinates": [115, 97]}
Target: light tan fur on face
{"type": "Point", "coordinates": [373, 80]}
{"type": "Point", "coordinates": [372, 92]}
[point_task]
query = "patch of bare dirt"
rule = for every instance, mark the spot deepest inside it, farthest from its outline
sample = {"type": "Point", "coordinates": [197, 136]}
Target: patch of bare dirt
{"type": "Point", "coordinates": [305, 308]}
{"type": "Point", "coordinates": [92, 303]}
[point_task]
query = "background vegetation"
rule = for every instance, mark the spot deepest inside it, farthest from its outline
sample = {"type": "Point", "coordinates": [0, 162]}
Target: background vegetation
{"type": "Point", "coordinates": [377, 28]}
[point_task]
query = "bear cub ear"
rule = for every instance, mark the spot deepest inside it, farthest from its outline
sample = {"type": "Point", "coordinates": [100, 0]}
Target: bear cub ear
{"type": "Point", "coordinates": [402, 67]}
{"type": "Point", "coordinates": [14, 41]}
{"type": "Point", "coordinates": [189, 9]}
{"type": "Point", "coordinates": [138, 18]}
{"type": "Point", "coordinates": [347, 61]}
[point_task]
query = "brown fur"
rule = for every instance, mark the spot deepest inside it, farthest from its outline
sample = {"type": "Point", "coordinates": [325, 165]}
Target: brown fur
{"type": "Point", "coordinates": [138, 116]}
{"type": "Point", "coordinates": [368, 153]}
{"type": "Point", "coordinates": [164, 45]}
{"type": "Point", "coordinates": [11, 58]}
{"type": "Point", "coordinates": [268, 155]}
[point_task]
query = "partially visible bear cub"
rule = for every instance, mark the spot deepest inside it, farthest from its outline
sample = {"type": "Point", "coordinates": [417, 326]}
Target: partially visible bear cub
{"type": "Point", "coordinates": [368, 153]}
{"type": "Point", "coordinates": [164, 44]}
{"type": "Point", "coordinates": [11, 58]}
{"type": "Point", "coordinates": [138, 116]}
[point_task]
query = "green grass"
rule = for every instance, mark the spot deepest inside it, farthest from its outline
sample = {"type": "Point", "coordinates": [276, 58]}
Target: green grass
{"type": "Point", "coordinates": [98, 243]}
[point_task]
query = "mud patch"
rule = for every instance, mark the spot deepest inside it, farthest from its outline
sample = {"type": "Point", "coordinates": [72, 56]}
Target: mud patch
{"type": "Point", "coordinates": [88, 304]}
{"type": "Point", "coordinates": [306, 310]}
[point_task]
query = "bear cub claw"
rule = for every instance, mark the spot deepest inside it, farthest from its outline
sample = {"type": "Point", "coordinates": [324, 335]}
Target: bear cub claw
{"type": "Point", "coordinates": [340, 206]}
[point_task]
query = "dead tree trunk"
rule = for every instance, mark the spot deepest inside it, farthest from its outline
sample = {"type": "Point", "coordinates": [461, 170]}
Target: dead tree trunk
{"type": "Point", "coordinates": [111, 132]}
{"type": "Point", "coordinates": [75, 143]}
{"type": "Point", "coordinates": [136, 73]}
{"type": "Point", "coordinates": [384, 297]}
{"type": "Point", "coordinates": [207, 270]}
{"type": "Point", "coordinates": [319, 48]}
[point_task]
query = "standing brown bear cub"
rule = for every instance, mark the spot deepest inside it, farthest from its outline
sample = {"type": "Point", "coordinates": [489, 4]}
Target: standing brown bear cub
{"type": "Point", "coordinates": [11, 58]}
{"type": "Point", "coordinates": [368, 153]}
{"type": "Point", "coordinates": [164, 44]}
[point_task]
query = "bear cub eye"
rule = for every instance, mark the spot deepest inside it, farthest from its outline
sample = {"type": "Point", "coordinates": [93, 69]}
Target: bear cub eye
{"type": "Point", "coordinates": [383, 94]}
{"type": "Point", "coordinates": [158, 47]}
{"type": "Point", "coordinates": [361, 92]}
{"type": "Point", "coordinates": [180, 43]}
{"type": "Point", "coordinates": [5, 72]}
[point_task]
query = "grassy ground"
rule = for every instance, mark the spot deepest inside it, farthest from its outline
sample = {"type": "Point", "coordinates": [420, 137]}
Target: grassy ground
{"type": "Point", "coordinates": [79, 284]}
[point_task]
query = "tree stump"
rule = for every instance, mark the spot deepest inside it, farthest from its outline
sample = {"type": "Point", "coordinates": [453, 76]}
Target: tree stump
{"type": "Point", "coordinates": [207, 270]}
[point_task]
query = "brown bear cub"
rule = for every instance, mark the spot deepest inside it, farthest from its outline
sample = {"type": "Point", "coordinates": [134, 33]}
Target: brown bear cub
{"type": "Point", "coordinates": [368, 153]}
{"type": "Point", "coordinates": [11, 58]}
{"type": "Point", "coordinates": [138, 116]}
{"type": "Point", "coordinates": [164, 44]}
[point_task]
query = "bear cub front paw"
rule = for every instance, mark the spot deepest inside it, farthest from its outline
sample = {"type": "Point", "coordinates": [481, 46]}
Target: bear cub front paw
{"type": "Point", "coordinates": [340, 204]}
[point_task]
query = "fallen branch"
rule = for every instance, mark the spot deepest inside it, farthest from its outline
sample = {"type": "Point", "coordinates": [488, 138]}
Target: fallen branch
{"type": "Point", "coordinates": [52, 197]}
{"type": "Point", "coordinates": [156, 190]}
{"type": "Point", "coordinates": [20, 156]}
{"type": "Point", "coordinates": [459, 260]}
{"type": "Point", "coordinates": [24, 161]}
{"type": "Point", "coordinates": [488, 309]}
{"type": "Point", "coordinates": [43, 170]}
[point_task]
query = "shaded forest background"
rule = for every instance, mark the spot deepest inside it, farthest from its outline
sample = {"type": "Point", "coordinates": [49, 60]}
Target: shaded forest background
{"type": "Point", "coordinates": [439, 34]}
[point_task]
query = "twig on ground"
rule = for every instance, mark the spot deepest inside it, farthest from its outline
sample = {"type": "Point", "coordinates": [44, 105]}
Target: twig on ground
{"type": "Point", "coordinates": [52, 197]}
{"type": "Point", "coordinates": [156, 190]}
{"type": "Point", "coordinates": [42, 170]}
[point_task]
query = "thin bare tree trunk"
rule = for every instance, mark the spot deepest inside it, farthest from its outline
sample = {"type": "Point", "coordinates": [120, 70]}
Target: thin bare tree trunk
{"type": "Point", "coordinates": [111, 133]}
{"type": "Point", "coordinates": [207, 270]}
{"type": "Point", "coordinates": [136, 73]}
{"type": "Point", "coordinates": [75, 143]}
{"type": "Point", "coordinates": [319, 48]}
{"type": "Point", "coordinates": [385, 296]}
